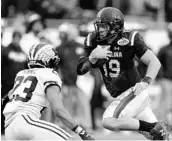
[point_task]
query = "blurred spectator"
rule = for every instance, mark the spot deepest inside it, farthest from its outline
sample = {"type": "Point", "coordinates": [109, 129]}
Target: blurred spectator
{"type": "Point", "coordinates": [165, 57]}
{"type": "Point", "coordinates": [56, 9]}
{"type": "Point", "coordinates": [153, 6]}
{"type": "Point", "coordinates": [8, 8]}
{"type": "Point", "coordinates": [89, 4]}
{"type": "Point", "coordinates": [35, 25]}
{"type": "Point", "coordinates": [168, 10]}
{"type": "Point", "coordinates": [12, 61]}
{"type": "Point", "coordinates": [69, 50]}
{"type": "Point", "coordinates": [97, 99]}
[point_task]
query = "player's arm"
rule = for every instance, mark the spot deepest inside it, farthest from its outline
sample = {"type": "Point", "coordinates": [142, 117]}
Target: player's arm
{"type": "Point", "coordinates": [153, 63]}
{"type": "Point", "coordinates": [55, 100]}
{"type": "Point", "coordinates": [6, 98]}
{"type": "Point", "coordinates": [84, 64]}
{"type": "Point", "coordinates": [91, 54]}
{"type": "Point", "coordinates": [148, 58]}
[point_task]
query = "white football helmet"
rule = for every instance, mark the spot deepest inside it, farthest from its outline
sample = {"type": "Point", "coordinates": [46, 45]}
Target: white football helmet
{"type": "Point", "coordinates": [43, 55]}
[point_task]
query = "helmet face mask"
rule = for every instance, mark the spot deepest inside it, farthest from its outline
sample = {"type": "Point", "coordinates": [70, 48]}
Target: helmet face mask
{"type": "Point", "coordinates": [102, 29]}
{"type": "Point", "coordinates": [113, 19]}
{"type": "Point", "coordinates": [43, 56]}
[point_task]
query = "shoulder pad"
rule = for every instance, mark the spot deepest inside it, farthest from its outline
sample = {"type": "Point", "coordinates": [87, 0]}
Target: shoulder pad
{"type": "Point", "coordinates": [132, 37]}
{"type": "Point", "coordinates": [49, 76]}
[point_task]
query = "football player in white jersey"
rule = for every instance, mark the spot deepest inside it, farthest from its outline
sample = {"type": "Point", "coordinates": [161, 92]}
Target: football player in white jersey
{"type": "Point", "coordinates": [34, 89]}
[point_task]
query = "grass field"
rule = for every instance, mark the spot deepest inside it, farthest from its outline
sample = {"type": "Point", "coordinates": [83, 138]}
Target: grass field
{"type": "Point", "coordinates": [101, 135]}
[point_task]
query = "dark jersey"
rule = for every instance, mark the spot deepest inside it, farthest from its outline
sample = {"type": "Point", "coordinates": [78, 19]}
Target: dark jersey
{"type": "Point", "coordinates": [119, 72]}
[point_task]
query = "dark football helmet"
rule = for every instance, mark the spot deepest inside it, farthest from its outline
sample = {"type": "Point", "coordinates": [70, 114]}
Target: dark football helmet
{"type": "Point", "coordinates": [43, 55]}
{"type": "Point", "coordinates": [110, 19]}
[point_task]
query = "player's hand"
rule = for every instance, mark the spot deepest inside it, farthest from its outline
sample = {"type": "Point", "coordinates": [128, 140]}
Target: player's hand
{"type": "Point", "coordinates": [82, 133]}
{"type": "Point", "coordinates": [139, 87]}
{"type": "Point", "coordinates": [101, 52]}
{"type": "Point", "coordinates": [86, 136]}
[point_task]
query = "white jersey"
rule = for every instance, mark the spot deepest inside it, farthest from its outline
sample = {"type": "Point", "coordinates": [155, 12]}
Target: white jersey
{"type": "Point", "coordinates": [28, 96]}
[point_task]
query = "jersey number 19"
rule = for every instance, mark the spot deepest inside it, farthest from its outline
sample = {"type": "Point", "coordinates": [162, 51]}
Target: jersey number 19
{"type": "Point", "coordinates": [114, 68]}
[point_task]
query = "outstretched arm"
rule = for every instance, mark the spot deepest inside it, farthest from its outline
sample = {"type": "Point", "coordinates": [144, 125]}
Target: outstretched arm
{"type": "Point", "coordinates": [55, 100]}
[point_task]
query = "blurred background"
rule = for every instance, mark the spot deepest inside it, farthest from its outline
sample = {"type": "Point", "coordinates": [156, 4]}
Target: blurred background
{"type": "Point", "coordinates": [64, 24]}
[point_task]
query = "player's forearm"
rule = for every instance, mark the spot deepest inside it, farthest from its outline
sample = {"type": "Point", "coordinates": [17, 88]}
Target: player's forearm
{"type": "Point", "coordinates": [153, 68]}
{"type": "Point", "coordinates": [84, 65]}
{"type": "Point", "coordinates": [152, 62]}
{"type": "Point", "coordinates": [70, 123]}
{"type": "Point", "coordinates": [66, 118]}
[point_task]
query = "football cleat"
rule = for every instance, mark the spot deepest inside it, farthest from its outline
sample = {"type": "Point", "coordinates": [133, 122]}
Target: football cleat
{"type": "Point", "coordinates": [159, 132]}
{"type": "Point", "coordinates": [146, 135]}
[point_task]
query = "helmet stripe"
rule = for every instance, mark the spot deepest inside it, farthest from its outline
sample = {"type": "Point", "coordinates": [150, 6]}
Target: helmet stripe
{"type": "Point", "coordinates": [31, 52]}
{"type": "Point", "coordinates": [38, 47]}
{"type": "Point", "coordinates": [132, 38]}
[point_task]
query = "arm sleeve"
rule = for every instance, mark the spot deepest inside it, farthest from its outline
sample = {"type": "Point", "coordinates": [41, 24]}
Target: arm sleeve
{"type": "Point", "coordinates": [138, 44]}
{"type": "Point", "coordinates": [84, 65]}
{"type": "Point", "coordinates": [50, 78]}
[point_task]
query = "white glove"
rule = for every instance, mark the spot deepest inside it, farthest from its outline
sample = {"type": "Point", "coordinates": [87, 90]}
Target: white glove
{"type": "Point", "coordinates": [100, 53]}
{"type": "Point", "coordinates": [139, 87]}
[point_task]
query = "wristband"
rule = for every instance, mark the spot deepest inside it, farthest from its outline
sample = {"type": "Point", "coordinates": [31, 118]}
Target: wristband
{"type": "Point", "coordinates": [147, 79]}
{"type": "Point", "coordinates": [77, 129]}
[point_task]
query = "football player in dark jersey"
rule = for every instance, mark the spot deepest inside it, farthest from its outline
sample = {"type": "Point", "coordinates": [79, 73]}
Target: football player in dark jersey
{"type": "Point", "coordinates": [111, 48]}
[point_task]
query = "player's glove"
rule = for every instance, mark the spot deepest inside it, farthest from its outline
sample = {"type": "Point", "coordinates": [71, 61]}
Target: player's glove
{"type": "Point", "coordinates": [100, 53]}
{"type": "Point", "coordinates": [139, 87]}
{"type": "Point", "coordinates": [82, 133]}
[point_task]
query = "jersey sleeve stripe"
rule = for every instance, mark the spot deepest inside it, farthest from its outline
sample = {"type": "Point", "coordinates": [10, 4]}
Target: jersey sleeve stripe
{"type": "Point", "coordinates": [49, 85]}
{"type": "Point", "coordinates": [132, 38]}
{"type": "Point", "coordinates": [89, 40]}
{"type": "Point", "coordinates": [50, 82]}
{"type": "Point", "coordinates": [47, 126]}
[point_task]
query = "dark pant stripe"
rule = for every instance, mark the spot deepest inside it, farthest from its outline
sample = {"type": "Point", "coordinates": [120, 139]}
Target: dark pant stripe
{"type": "Point", "coordinates": [49, 126]}
{"type": "Point", "coordinates": [44, 128]}
{"type": "Point", "coordinates": [123, 104]}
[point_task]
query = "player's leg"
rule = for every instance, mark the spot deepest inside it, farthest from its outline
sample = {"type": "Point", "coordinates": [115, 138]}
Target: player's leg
{"type": "Point", "coordinates": [27, 128]}
{"type": "Point", "coordinates": [14, 129]}
{"type": "Point", "coordinates": [147, 115]}
{"type": "Point", "coordinates": [48, 131]}
{"type": "Point", "coordinates": [120, 114]}
{"type": "Point", "coordinates": [160, 129]}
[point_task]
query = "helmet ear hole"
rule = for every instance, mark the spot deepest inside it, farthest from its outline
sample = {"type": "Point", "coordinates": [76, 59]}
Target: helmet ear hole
{"type": "Point", "coordinates": [54, 63]}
